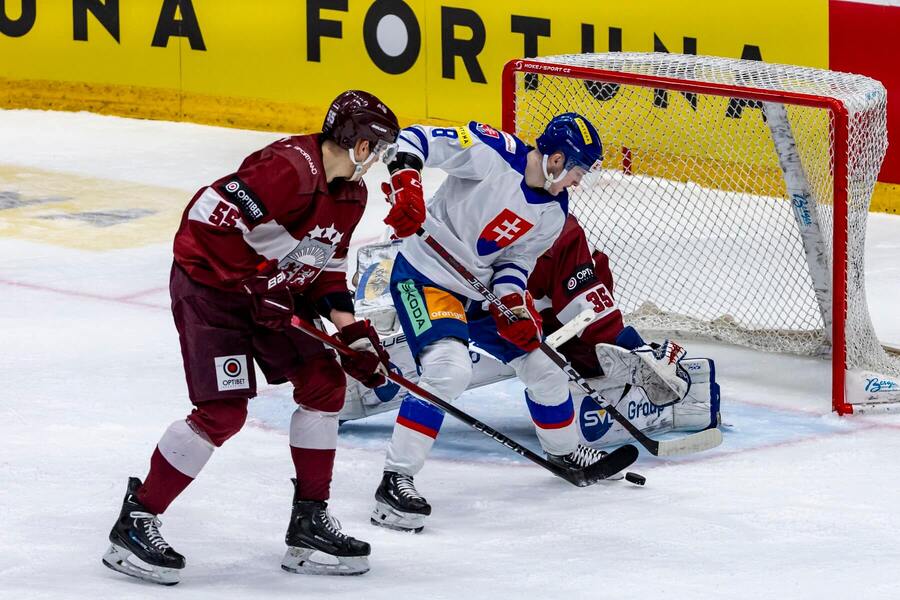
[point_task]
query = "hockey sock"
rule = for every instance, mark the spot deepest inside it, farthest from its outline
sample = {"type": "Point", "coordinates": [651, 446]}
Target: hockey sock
{"type": "Point", "coordinates": [417, 426]}
{"type": "Point", "coordinates": [314, 468]}
{"type": "Point", "coordinates": [179, 457]}
{"type": "Point", "coordinates": [313, 440]}
{"type": "Point", "coordinates": [163, 484]}
{"type": "Point", "coordinates": [554, 425]}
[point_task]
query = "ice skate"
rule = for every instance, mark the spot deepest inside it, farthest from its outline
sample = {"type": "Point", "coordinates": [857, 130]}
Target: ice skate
{"type": "Point", "coordinates": [582, 457]}
{"type": "Point", "coordinates": [137, 549]}
{"type": "Point", "coordinates": [317, 546]}
{"type": "Point", "coordinates": [398, 505]}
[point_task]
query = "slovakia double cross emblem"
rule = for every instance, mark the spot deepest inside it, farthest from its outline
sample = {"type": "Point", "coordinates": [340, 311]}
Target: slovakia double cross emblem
{"type": "Point", "coordinates": [502, 231]}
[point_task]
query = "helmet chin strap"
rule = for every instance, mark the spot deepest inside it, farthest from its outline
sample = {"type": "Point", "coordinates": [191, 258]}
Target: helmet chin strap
{"type": "Point", "coordinates": [359, 165]}
{"type": "Point", "coordinates": [548, 178]}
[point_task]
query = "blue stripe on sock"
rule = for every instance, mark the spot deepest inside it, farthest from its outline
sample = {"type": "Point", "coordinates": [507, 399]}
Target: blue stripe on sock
{"type": "Point", "coordinates": [550, 417]}
{"type": "Point", "coordinates": [420, 412]}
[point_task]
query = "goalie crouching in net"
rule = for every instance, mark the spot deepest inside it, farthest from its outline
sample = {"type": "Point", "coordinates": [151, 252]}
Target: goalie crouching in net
{"type": "Point", "coordinates": [567, 279]}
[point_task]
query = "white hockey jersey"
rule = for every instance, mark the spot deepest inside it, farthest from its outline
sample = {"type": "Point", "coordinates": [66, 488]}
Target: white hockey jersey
{"type": "Point", "coordinates": [483, 213]}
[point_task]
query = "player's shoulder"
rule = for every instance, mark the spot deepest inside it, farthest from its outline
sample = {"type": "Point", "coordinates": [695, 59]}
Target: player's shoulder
{"type": "Point", "coordinates": [572, 232]}
{"type": "Point", "coordinates": [300, 155]}
{"type": "Point", "coordinates": [570, 236]}
{"type": "Point", "coordinates": [505, 144]}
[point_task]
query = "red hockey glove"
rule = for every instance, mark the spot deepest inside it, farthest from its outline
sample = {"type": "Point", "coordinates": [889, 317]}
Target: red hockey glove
{"type": "Point", "coordinates": [405, 193]}
{"type": "Point", "coordinates": [271, 305]}
{"type": "Point", "coordinates": [369, 366]}
{"type": "Point", "coordinates": [524, 333]}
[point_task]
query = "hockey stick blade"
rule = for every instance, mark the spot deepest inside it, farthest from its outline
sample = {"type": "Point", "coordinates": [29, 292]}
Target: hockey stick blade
{"type": "Point", "coordinates": [617, 460]}
{"type": "Point", "coordinates": [689, 444]}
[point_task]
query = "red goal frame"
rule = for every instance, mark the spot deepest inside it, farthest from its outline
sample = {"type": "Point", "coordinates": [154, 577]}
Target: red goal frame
{"type": "Point", "coordinates": [841, 133]}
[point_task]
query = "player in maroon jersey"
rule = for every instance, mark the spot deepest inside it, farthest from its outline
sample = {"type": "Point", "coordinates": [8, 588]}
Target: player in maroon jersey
{"type": "Point", "coordinates": [254, 249]}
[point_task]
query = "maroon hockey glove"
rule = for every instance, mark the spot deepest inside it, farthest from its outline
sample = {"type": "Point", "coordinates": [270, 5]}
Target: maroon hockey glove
{"type": "Point", "coordinates": [271, 305]}
{"type": "Point", "coordinates": [524, 333]}
{"type": "Point", "coordinates": [369, 365]}
{"type": "Point", "coordinates": [405, 193]}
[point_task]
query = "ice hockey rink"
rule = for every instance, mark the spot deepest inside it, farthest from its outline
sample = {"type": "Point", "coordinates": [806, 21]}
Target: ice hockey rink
{"type": "Point", "coordinates": [797, 503]}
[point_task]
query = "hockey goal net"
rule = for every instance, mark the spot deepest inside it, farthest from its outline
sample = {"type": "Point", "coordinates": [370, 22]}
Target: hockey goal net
{"type": "Point", "coordinates": [732, 199]}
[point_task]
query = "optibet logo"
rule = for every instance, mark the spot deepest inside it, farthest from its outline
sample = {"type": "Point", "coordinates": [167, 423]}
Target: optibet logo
{"type": "Point", "coordinates": [240, 194]}
{"type": "Point", "coordinates": [581, 278]}
{"type": "Point", "coordinates": [231, 373]}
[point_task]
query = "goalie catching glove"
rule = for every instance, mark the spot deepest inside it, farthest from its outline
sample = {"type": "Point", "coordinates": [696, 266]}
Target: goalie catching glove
{"type": "Point", "coordinates": [404, 193]}
{"type": "Point", "coordinates": [525, 332]}
{"type": "Point", "coordinates": [369, 365]}
{"type": "Point", "coordinates": [656, 368]}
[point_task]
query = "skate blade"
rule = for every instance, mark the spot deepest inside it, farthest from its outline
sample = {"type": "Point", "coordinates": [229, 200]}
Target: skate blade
{"type": "Point", "coordinates": [388, 517]}
{"type": "Point", "coordinates": [314, 562]}
{"type": "Point", "coordinates": [121, 560]}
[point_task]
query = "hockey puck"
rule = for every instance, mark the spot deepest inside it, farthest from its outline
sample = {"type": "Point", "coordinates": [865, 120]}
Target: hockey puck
{"type": "Point", "coordinates": [635, 478]}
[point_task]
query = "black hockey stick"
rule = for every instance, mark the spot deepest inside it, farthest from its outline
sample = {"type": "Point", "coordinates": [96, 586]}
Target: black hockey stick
{"type": "Point", "coordinates": [695, 442]}
{"type": "Point", "coordinates": [609, 465]}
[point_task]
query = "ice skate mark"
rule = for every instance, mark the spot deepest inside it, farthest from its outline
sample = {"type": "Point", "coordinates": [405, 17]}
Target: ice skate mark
{"type": "Point", "coordinates": [80, 294]}
{"type": "Point", "coordinates": [652, 463]}
{"type": "Point", "coordinates": [141, 293]}
{"type": "Point", "coordinates": [11, 199]}
{"type": "Point", "coordinates": [103, 218]}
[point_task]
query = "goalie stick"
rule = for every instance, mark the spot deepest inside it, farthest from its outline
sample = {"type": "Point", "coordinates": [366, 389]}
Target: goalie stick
{"type": "Point", "coordinates": [571, 328]}
{"type": "Point", "coordinates": [617, 460]}
{"type": "Point", "coordinates": [695, 442]}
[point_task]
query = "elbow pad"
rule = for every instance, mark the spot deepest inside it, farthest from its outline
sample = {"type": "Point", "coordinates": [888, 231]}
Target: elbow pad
{"type": "Point", "coordinates": [342, 301]}
{"type": "Point", "coordinates": [405, 160]}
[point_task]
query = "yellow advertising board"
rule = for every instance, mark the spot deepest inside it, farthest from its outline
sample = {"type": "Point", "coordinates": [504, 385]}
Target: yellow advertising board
{"type": "Point", "coordinates": [795, 33]}
{"type": "Point", "coordinates": [275, 65]}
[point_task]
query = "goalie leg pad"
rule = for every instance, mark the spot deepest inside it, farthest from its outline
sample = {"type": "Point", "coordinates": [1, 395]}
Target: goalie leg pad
{"type": "Point", "coordinates": [700, 408]}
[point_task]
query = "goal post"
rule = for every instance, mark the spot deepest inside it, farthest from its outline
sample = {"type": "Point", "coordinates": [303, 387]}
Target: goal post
{"type": "Point", "coordinates": [732, 199]}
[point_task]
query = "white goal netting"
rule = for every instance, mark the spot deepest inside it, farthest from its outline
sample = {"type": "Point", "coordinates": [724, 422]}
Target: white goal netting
{"type": "Point", "coordinates": [715, 204]}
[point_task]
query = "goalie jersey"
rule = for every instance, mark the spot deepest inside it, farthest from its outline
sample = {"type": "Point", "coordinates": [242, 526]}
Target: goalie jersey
{"type": "Point", "coordinates": [568, 279]}
{"type": "Point", "coordinates": [483, 213]}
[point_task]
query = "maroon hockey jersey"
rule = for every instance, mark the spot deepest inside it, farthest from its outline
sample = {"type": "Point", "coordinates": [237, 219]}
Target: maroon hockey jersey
{"type": "Point", "coordinates": [277, 207]}
{"type": "Point", "coordinates": [569, 279]}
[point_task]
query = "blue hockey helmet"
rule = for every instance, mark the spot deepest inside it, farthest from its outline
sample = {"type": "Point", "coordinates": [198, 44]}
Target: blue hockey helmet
{"type": "Point", "coordinates": [575, 137]}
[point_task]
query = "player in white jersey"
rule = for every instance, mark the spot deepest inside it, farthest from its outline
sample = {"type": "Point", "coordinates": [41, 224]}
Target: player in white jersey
{"type": "Point", "coordinates": [502, 206]}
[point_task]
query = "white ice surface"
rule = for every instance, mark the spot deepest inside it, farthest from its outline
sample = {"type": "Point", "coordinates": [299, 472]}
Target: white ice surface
{"type": "Point", "coordinates": [797, 503]}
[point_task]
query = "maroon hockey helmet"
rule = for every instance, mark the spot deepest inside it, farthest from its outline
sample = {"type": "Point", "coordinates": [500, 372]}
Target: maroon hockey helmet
{"type": "Point", "coordinates": [355, 115]}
